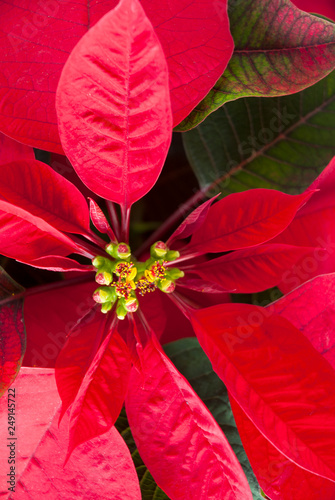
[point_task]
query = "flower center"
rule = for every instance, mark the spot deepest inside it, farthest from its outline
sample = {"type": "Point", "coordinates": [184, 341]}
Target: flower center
{"type": "Point", "coordinates": [121, 277]}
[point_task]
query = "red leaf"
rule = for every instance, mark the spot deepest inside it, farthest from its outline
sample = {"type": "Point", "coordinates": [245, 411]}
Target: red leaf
{"type": "Point", "coordinates": [311, 308]}
{"type": "Point", "coordinates": [278, 379]}
{"type": "Point", "coordinates": [323, 7]}
{"type": "Point", "coordinates": [77, 354]}
{"type": "Point", "coordinates": [192, 222]}
{"type": "Point", "coordinates": [99, 220]}
{"type": "Point", "coordinates": [60, 264]}
{"type": "Point", "coordinates": [177, 437]}
{"type": "Point", "coordinates": [38, 189]}
{"type": "Point", "coordinates": [313, 225]}
{"type": "Point", "coordinates": [102, 392]}
{"type": "Point", "coordinates": [12, 150]}
{"type": "Point", "coordinates": [12, 342]}
{"type": "Point", "coordinates": [51, 315]}
{"type": "Point", "coordinates": [243, 220]}
{"type": "Point", "coordinates": [100, 467]}
{"type": "Point", "coordinates": [25, 237]}
{"type": "Point", "coordinates": [251, 270]}
{"type": "Point", "coordinates": [35, 43]}
{"type": "Point", "coordinates": [113, 106]}
{"type": "Point", "coordinates": [198, 45]}
{"type": "Point", "coordinates": [278, 477]}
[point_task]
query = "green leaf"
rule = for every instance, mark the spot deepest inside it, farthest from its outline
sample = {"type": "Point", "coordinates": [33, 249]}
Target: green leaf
{"type": "Point", "coordinates": [149, 489]}
{"type": "Point", "coordinates": [279, 50]}
{"type": "Point", "coordinates": [280, 143]}
{"type": "Point", "coordinates": [192, 362]}
{"type": "Point", "coordinates": [12, 331]}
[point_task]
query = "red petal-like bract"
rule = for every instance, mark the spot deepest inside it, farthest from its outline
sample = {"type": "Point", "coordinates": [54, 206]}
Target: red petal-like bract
{"type": "Point", "coordinates": [11, 150]}
{"type": "Point", "coordinates": [281, 382]}
{"type": "Point", "coordinates": [101, 468]}
{"type": "Point", "coordinates": [99, 220]}
{"type": "Point", "coordinates": [177, 437]}
{"type": "Point", "coordinates": [113, 106]}
{"type": "Point", "coordinates": [243, 220]}
{"type": "Point", "coordinates": [36, 40]}
{"type": "Point", "coordinates": [252, 269]}
{"type": "Point", "coordinates": [102, 392]}
{"type": "Point", "coordinates": [38, 189]}
{"type": "Point", "coordinates": [51, 315]}
{"type": "Point", "coordinates": [12, 342]}
{"type": "Point", "coordinates": [278, 477]}
{"type": "Point", "coordinates": [192, 222]}
{"type": "Point", "coordinates": [323, 7]}
{"type": "Point", "coordinates": [311, 308]}
{"type": "Point", "coordinates": [314, 226]}
{"type": "Point", "coordinates": [60, 264]}
{"type": "Point", "coordinates": [19, 227]}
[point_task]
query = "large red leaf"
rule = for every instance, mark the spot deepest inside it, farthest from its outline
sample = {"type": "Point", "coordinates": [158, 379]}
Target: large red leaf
{"type": "Point", "coordinates": [278, 477]}
{"type": "Point", "coordinates": [177, 437]}
{"type": "Point", "coordinates": [113, 106]}
{"type": "Point", "coordinates": [37, 188]}
{"type": "Point", "coordinates": [281, 382]}
{"type": "Point", "coordinates": [243, 220]}
{"type": "Point", "coordinates": [311, 308]}
{"type": "Point", "coordinates": [50, 316]}
{"type": "Point", "coordinates": [76, 355]}
{"type": "Point", "coordinates": [102, 392]}
{"type": "Point", "coordinates": [251, 270]}
{"type": "Point", "coordinates": [36, 39]}
{"type": "Point", "coordinates": [25, 237]}
{"type": "Point", "coordinates": [101, 467]}
{"type": "Point", "coordinates": [12, 150]}
{"type": "Point", "coordinates": [323, 7]}
{"type": "Point", "coordinates": [313, 225]}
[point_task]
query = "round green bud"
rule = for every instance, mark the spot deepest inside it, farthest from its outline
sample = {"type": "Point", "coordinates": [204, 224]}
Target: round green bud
{"type": "Point", "coordinates": [172, 255]}
{"type": "Point", "coordinates": [158, 250]}
{"type": "Point", "coordinates": [174, 273]}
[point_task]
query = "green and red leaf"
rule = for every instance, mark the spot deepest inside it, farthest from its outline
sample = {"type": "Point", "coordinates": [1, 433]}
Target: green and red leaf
{"type": "Point", "coordinates": [279, 50]}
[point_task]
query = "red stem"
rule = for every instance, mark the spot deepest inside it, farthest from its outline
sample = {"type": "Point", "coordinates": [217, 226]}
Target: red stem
{"type": "Point", "coordinates": [114, 219]}
{"type": "Point", "coordinates": [125, 217]}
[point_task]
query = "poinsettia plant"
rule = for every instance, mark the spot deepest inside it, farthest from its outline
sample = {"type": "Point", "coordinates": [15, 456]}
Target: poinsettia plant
{"type": "Point", "coordinates": [121, 90]}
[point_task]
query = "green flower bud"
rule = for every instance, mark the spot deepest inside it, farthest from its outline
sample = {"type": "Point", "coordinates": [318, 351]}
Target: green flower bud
{"type": "Point", "coordinates": [166, 286]}
{"type": "Point", "coordinates": [172, 255]}
{"type": "Point", "coordinates": [158, 250]}
{"type": "Point", "coordinates": [121, 311]}
{"type": "Point", "coordinates": [119, 250]}
{"type": "Point", "coordinates": [131, 304]}
{"type": "Point", "coordinates": [99, 261]}
{"type": "Point", "coordinates": [107, 306]}
{"type": "Point", "coordinates": [174, 273]}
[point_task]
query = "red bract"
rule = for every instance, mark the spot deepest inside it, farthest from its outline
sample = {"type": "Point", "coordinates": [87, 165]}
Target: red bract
{"type": "Point", "coordinates": [36, 40]}
{"type": "Point", "coordinates": [119, 110]}
{"type": "Point", "coordinates": [323, 7]}
{"type": "Point", "coordinates": [311, 309]}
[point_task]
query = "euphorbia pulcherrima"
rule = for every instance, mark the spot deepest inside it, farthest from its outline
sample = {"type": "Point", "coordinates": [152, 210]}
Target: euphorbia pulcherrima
{"type": "Point", "coordinates": [115, 124]}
